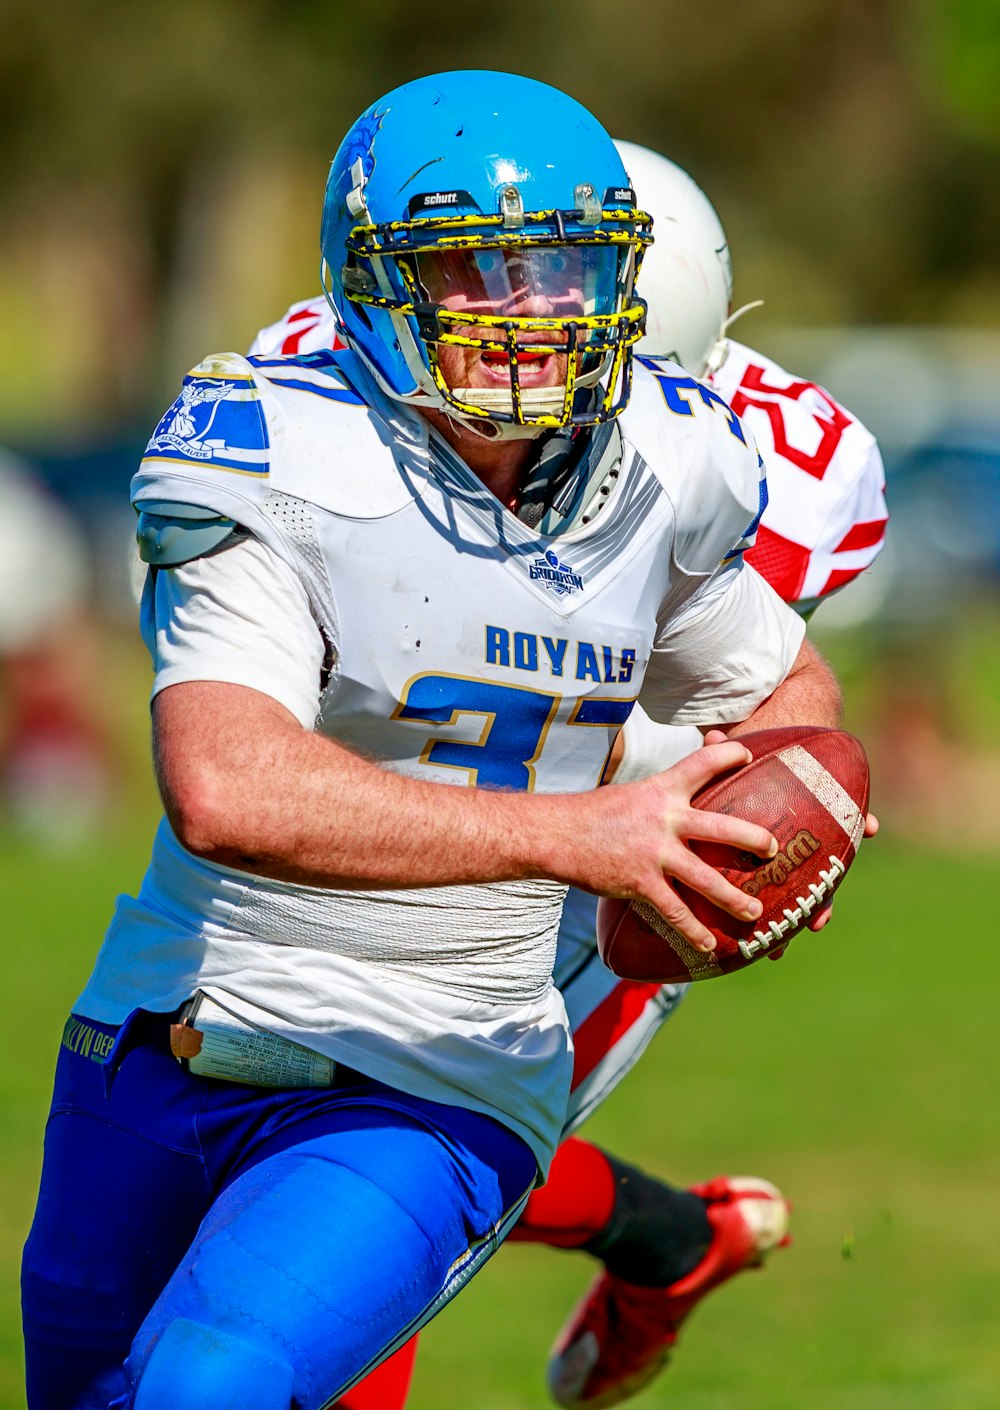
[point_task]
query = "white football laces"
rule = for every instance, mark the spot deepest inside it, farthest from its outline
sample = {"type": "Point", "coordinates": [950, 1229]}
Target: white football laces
{"type": "Point", "coordinates": [794, 916]}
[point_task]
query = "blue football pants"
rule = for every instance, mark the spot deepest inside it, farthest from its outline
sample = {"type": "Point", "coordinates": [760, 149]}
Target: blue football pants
{"type": "Point", "coordinates": [215, 1245]}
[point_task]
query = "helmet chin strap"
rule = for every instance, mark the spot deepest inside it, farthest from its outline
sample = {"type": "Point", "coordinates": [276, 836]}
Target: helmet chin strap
{"type": "Point", "coordinates": [746, 308]}
{"type": "Point", "coordinates": [754, 303]}
{"type": "Point", "coordinates": [716, 357]}
{"type": "Point", "coordinates": [720, 348]}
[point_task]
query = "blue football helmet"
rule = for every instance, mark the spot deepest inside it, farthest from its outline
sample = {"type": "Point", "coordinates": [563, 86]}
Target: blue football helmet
{"type": "Point", "coordinates": [491, 214]}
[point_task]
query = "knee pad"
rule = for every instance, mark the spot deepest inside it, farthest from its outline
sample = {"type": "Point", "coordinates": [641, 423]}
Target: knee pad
{"type": "Point", "coordinates": [202, 1368]}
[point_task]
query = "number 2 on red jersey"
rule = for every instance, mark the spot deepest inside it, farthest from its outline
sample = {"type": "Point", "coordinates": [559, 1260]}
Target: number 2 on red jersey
{"type": "Point", "coordinates": [756, 392]}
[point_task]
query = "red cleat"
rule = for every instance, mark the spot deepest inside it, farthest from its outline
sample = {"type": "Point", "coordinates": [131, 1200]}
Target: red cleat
{"type": "Point", "coordinates": [621, 1335]}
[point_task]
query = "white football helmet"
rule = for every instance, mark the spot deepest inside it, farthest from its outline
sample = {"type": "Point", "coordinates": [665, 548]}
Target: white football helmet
{"type": "Point", "coordinates": [687, 275]}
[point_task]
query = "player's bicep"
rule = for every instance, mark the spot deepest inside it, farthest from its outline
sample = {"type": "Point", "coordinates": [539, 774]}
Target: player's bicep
{"type": "Point", "coordinates": [212, 722]}
{"type": "Point", "coordinates": [210, 739]}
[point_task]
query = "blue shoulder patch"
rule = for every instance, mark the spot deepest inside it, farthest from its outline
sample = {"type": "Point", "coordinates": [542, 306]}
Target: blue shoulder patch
{"type": "Point", "coordinates": [217, 420]}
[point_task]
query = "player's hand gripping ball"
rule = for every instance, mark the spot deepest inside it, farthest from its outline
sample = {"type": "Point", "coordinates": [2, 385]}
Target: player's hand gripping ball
{"type": "Point", "coordinates": [809, 786]}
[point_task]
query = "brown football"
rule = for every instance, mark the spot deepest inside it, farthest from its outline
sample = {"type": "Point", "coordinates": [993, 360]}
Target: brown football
{"type": "Point", "coordinates": [809, 786]}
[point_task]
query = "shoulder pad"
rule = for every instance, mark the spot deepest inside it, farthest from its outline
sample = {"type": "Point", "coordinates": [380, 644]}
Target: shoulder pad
{"type": "Point", "coordinates": [171, 534]}
{"type": "Point", "coordinates": [217, 422]}
{"type": "Point", "coordinates": [705, 459]}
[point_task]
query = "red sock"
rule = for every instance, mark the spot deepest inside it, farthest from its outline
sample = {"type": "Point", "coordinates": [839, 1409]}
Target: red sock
{"type": "Point", "coordinates": [576, 1204]}
{"type": "Point", "coordinates": [386, 1387]}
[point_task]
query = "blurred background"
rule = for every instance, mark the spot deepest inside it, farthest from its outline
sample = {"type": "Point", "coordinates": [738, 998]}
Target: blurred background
{"type": "Point", "coordinates": [161, 175]}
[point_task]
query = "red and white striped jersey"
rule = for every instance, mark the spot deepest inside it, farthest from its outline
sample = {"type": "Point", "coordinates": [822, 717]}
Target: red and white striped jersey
{"type": "Point", "coordinates": [826, 514]}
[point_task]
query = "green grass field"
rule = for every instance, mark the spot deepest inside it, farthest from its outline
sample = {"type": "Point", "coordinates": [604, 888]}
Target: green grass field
{"type": "Point", "coordinates": [860, 1074]}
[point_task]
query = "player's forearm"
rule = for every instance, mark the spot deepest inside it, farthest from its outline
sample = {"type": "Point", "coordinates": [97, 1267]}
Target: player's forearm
{"type": "Point", "coordinates": [809, 695]}
{"type": "Point", "coordinates": [245, 786]}
{"type": "Point", "coordinates": [260, 794]}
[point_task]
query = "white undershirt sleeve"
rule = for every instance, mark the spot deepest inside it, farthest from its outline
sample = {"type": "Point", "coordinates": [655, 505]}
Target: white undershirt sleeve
{"type": "Point", "coordinates": [723, 653]}
{"type": "Point", "coordinates": [241, 616]}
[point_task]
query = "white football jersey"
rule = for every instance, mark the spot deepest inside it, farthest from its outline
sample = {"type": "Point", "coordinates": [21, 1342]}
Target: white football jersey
{"type": "Point", "coordinates": [456, 645]}
{"type": "Point", "coordinates": [823, 524]}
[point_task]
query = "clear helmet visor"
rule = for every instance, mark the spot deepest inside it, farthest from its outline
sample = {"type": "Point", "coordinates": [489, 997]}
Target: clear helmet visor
{"type": "Point", "coordinates": [533, 334]}
{"type": "Point", "coordinates": [527, 281]}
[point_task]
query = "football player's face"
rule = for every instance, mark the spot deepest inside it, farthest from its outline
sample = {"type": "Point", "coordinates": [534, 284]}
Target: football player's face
{"type": "Point", "coordinates": [525, 282]}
